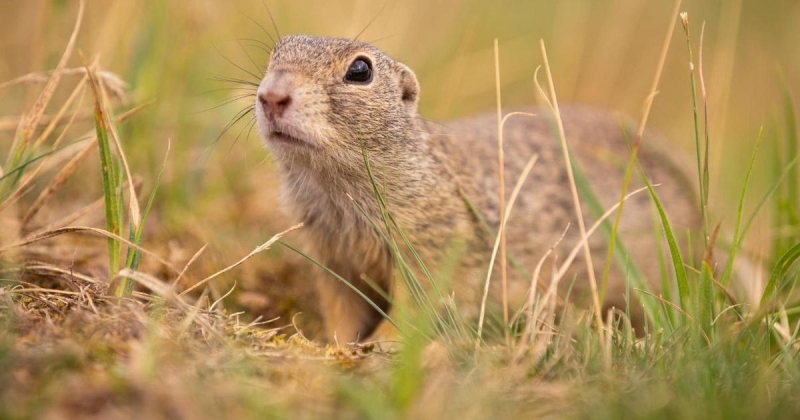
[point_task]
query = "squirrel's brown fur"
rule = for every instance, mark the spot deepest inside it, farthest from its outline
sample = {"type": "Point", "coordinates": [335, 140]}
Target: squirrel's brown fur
{"type": "Point", "coordinates": [321, 124]}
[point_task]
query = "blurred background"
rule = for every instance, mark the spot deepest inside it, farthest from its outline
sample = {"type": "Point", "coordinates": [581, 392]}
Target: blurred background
{"type": "Point", "coordinates": [221, 191]}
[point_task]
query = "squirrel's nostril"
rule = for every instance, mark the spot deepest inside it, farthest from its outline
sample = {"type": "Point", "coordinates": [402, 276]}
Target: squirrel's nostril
{"type": "Point", "coordinates": [274, 103]}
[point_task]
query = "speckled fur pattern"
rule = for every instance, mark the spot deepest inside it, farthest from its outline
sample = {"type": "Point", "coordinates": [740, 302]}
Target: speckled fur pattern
{"type": "Point", "coordinates": [423, 167]}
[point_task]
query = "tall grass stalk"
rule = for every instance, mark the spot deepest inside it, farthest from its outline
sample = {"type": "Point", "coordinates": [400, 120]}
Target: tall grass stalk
{"type": "Point", "coordinates": [552, 102]}
{"type": "Point", "coordinates": [623, 259]}
{"type": "Point", "coordinates": [502, 190]}
{"type": "Point", "coordinates": [705, 180]}
{"type": "Point", "coordinates": [695, 114]}
{"type": "Point", "coordinates": [515, 193]}
{"type": "Point", "coordinates": [632, 161]}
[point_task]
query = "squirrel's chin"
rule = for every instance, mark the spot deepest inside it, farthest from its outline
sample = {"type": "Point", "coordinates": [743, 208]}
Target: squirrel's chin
{"type": "Point", "coordinates": [289, 140]}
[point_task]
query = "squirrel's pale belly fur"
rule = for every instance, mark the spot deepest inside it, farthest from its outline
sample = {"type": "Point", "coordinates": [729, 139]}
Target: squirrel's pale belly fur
{"type": "Point", "coordinates": [427, 170]}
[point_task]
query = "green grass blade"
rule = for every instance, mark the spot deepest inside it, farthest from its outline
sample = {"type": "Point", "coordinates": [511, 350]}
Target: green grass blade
{"type": "Point", "coordinates": [705, 298]}
{"type": "Point", "coordinates": [341, 279]}
{"type": "Point", "coordinates": [132, 260]}
{"type": "Point", "coordinates": [110, 178]}
{"type": "Point", "coordinates": [418, 292]}
{"type": "Point", "coordinates": [674, 251]}
{"type": "Point", "coordinates": [487, 230]}
{"type": "Point", "coordinates": [777, 279]}
{"type": "Point", "coordinates": [737, 239]}
{"type": "Point", "coordinates": [619, 252]}
{"type": "Point", "coordinates": [21, 167]}
{"type": "Point", "coordinates": [786, 202]}
{"type": "Point", "coordinates": [415, 288]}
{"type": "Point", "coordinates": [666, 286]}
{"type": "Point", "coordinates": [790, 138]}
{"type": "Point", "coordinates": [775, 185]}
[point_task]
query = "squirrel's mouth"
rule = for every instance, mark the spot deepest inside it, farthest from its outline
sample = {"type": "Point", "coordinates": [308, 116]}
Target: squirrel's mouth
{"type": "Point", "coordinates": [283, 137]}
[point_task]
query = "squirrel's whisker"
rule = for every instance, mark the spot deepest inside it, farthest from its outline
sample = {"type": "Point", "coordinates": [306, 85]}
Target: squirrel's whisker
{"type": "Point", "coordinates": [237, 117]}
{"type": "Point", "coordinates": [232, 99]}
{"type": "Point", "coordinates": [233, 80]}
{"type": "Point", "coordinates": [255, 76]}
{"type": "Point", "coordinates": [263, 29]}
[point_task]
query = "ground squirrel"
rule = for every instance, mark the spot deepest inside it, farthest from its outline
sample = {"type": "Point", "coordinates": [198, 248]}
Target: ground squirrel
{"type": "Point", "coordinates": [324, 99]}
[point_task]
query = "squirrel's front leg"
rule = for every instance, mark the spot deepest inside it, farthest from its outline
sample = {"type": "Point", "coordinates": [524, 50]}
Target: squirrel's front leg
{"type": "Point", "coordinates": [347, 316]}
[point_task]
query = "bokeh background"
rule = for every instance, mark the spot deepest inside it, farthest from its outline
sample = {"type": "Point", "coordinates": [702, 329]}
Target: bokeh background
{"type": "Point", "coordinates": [221, 191]}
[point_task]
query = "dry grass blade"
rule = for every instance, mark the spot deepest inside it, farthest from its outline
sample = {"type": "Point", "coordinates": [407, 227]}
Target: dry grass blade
{"type": "Point", "coordinates": [155, 285]}
{"type": "Point", "coordinates": [133, 111]}
{"type": "Point", "coordinates": [58, 270]}
{"type": "Point", "coordinates": [188, 264]}
{"type": "Point", "coordinates": [30, 120]}
{"type": "Point", "coordinates": [38, 290]}
{"type": "Point", "coordinates": [549, 296]}
{"type": "Point", "coordinates": [559, 274]}
{"type": "Point", "coordinates": [31, 176]}
{"type": "Point", "coordinates": [532, 296]}
{"type": "Point", "coordinates": [165, 292]}
{"type": "Point", "coordinates": [502, 178]}
{"type": "Point", "coordinates": [109, 79]}
{"type": "Point", "coordinates": [648, 104]}
{"type": "Point", "coordinates": [77, 214]}
{"type": "Point", "coordinates": [56, 183]}
{"type": "Point", "coordinates": [11, 123]}
{"type": "Point", "coordinates": [667, 302]}
{"type": "Point", "coordinates": [25, 185]}
{"type": "Point", "coordinates": [584, 240]}
{"type": "Point", "coordinates": [573, 187]}
{"type": "Point", "coordinates": [84, 229]}
{"type": "Point", "coordinates": [72, 217]}
{"type": "Point", "coordinates": [725, 291]}
{"type": "Point", "coordinates": [78, 92]}
{"type": "Point", "coordinates": [263, 247]}
{"type": "Point", "coordinates": [221, 298]}
{"type": "Point", "coordinates": [677, 308]}
{"type": "Point", "coordinates": [19, 192]}
{"type": "Point", "coordinates": [514, 194]}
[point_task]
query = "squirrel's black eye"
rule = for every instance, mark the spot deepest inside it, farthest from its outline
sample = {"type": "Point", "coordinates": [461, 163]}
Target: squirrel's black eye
{"type": "Point", "coordinates": [360, 71]}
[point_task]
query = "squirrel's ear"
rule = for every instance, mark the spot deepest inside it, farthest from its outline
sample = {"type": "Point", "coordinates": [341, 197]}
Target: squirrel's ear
{"type": "Point", "coordinates": [409, 87]}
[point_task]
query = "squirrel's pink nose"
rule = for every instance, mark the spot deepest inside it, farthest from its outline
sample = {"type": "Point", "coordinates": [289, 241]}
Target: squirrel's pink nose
{"type": "Point", "coordinates": [274, 103]}
{"type": "Point", "coordinates": [275, 92]}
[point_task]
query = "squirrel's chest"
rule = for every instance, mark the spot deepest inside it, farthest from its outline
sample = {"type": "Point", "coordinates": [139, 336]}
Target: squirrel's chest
{"type": "Point", "coordinates": [342, 219]}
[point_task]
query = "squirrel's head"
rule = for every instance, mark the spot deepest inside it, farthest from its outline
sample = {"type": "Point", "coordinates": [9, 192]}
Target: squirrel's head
{"type": "Point", "coordinates": [324, 98]}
